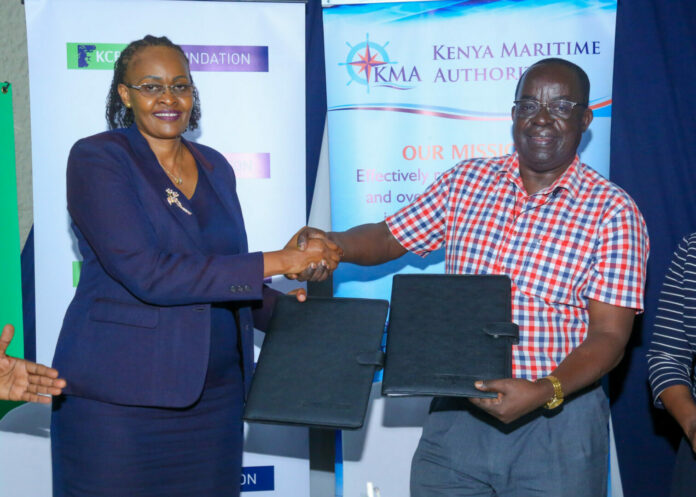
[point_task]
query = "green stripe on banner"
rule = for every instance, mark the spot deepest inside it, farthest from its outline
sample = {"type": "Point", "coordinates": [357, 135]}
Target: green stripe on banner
{"type": "Point", "coordinates": [11, 283]}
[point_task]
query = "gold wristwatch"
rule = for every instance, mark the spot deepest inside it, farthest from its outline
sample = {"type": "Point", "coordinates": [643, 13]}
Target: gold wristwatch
{"type": "Point", "coordinates": [557, 398]}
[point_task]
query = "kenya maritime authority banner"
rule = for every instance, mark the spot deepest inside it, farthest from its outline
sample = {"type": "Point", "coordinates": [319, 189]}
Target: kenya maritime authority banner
{"type": "Point", "coordinates": [414, 88]}
{"type": "Point", "coordinates": [248, 62]}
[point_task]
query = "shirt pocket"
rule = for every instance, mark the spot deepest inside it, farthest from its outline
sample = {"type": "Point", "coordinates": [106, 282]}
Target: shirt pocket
{"type": "Point", "coordinates": [556, 267]}
{"type": "Point", "coordinates": [125, 313]}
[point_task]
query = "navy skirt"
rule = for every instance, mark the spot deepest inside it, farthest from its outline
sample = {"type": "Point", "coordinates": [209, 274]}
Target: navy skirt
{"type": "Point", "coordinates": [109, 450]}
{"type": "Point", "coordinates": [102, 449]}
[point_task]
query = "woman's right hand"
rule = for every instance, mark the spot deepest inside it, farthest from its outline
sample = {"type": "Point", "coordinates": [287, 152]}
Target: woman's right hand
{"type": "Point", "coordinates": [293, 260]}
{"type": "Point", "coordinates": [316, 253]}
{"type": "Point", "coordinates": [301, 240]}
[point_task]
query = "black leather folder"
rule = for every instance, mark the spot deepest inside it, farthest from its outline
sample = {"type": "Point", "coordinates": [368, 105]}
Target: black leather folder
{"type": "Point", "coordinates": [447, 331]}
{"type": "Point", "coordinates": [317, 362]}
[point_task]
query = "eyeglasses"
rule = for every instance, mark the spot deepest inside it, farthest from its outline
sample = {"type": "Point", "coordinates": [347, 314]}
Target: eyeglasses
{"type": "Point", "coordinates": [156, 89]}
{"type": "Point", "coordinates": [560, 108]}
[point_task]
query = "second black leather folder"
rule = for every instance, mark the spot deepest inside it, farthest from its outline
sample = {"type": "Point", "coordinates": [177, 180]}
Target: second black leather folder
{"type": "Point", "coordinates": [447, 331]}
{"type": "Point", "coordinates": [317, 362]}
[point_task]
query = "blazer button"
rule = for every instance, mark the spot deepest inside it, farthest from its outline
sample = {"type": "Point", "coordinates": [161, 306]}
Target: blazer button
{"type": "Point", "coordinates": [233, 289]}
{"type": "Point", "coordinates": [247, 288]}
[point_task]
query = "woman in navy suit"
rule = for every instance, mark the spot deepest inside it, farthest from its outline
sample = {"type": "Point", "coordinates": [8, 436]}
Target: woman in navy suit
{"type": "Point", "coordinates": [157, 345]}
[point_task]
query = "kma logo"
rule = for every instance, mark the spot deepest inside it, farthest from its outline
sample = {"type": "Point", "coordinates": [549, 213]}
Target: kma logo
{"type": "Point", "coordinates": [368, 64]}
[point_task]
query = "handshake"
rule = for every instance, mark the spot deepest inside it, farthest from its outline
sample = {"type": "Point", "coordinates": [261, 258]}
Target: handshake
{"type": "Point", "coordinates": [311, 255]}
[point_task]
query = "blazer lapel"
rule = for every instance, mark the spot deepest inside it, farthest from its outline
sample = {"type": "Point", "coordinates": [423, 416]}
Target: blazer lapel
{"type": "Point", "coordinates": [220, 184]}
{"type": "Point", "coordinates": [173, 201]}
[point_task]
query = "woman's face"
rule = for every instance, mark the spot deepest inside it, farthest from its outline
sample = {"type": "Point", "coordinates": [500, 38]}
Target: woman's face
{"type": "Point", "coordinates": [163, 116]}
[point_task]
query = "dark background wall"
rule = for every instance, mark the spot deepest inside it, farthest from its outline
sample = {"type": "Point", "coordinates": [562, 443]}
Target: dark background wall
{"type": "Point", "coordinates": [653, 156]}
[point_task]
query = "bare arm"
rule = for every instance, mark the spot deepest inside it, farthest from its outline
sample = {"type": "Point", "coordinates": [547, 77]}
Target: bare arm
{"type": "Point", "coordinates": [607, 335]}
{"type": "Point", "coordinates": [608, 332]}
{"type": "Point", "coordinates": [680, 404]}
{"type": "Point", "coordinates": [368, 244]}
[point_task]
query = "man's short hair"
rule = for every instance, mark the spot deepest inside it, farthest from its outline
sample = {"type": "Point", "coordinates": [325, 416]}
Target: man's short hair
{"type": "Point", "coordinates": [579, 73]}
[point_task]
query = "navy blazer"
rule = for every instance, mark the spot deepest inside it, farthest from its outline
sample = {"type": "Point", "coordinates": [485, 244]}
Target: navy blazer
{"type": "Point", "coordinates": [137, 331]}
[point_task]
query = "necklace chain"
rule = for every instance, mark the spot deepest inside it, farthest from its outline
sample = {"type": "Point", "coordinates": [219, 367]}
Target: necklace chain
{"type": "Point", "coordinates": [177, 179]}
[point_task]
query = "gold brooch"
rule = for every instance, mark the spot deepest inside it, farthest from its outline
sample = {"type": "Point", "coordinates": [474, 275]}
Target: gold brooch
{"type": "Point", "coordinates": [173, 198]}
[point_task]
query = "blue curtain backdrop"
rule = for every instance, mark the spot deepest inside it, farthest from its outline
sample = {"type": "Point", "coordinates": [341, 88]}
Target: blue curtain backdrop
{"type": "Point", "coordinates": [654, 159]}
{"type": "Point", "coordinates": [653, 156]}
{"type": "Point", "coordinates": [315, 91]}
{"type": "Point", "coordinates": [28, 293]}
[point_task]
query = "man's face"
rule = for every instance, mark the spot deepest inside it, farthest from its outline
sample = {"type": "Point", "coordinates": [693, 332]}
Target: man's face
{"type": "Point", "coordinates": [547, 143]}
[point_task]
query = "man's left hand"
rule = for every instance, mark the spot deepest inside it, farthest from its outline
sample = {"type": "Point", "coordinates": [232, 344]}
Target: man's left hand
{"type": "Point", "coordinates": [516, 397]}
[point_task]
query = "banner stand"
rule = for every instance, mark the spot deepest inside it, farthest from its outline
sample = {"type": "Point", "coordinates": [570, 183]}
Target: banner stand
{"type": "Point", "coordinates": [413, 88]}
{"type": "Point", "coordinates": [247, 60]}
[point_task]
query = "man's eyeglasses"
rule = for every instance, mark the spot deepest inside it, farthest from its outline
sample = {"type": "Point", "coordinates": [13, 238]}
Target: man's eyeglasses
{"type": "Point", "coordinates": [156, 89]}
{"type": "Point", "coordinates": [560, 108]}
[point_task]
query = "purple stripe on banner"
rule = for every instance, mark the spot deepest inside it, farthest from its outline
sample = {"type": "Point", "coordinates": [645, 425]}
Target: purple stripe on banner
{"type": "Point", "coordinates": [227, 58]}
{"type": "Point", "coordinates": [250, 165]}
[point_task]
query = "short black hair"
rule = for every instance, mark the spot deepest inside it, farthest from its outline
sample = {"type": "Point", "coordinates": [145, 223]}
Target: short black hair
{"type": "Point", "coordinates": [579, 73]}
{"type": "Point", "coordinates": [117, 114]}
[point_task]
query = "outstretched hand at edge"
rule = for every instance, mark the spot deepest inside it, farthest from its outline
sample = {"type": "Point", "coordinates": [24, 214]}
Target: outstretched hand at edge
{"type": "Point", "coordinates": [22, 380]}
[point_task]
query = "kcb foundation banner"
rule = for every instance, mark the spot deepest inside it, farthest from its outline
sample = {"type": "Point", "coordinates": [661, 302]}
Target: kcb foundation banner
{"type": "Point", "coordinates": [413, 89]}
{"type": "Point", "coordinates": [247, 60]}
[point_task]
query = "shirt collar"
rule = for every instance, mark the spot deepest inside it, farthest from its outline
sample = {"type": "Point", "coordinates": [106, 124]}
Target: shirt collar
{"type": "Point", "coordinates": [570, 180]}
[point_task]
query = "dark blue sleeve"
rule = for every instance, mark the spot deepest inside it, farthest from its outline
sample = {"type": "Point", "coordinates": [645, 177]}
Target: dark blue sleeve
{"type": "Point", "coordinates": [105, 207]}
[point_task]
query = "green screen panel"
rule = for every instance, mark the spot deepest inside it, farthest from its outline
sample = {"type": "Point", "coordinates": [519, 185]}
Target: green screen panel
{"type": "Point", "coordinates": [11, 287]}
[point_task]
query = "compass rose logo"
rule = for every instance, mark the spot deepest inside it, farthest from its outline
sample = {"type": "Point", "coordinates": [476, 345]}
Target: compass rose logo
{"type": "Point", "coordinates": [364, 59]}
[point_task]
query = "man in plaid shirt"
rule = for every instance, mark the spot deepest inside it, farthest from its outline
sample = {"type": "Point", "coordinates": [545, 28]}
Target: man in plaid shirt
{"type": "Point", "coordinates": [575, 247]}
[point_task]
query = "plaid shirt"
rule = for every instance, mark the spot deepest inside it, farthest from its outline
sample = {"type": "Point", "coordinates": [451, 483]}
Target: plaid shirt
{"type": "Point", "coordinates": [578, 239]}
